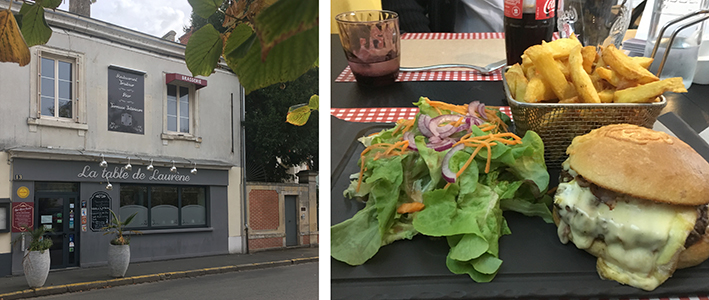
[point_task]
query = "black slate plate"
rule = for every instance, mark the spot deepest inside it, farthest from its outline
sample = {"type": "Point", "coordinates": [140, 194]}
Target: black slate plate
{"type": "Point", "coordinates": [536, 264]}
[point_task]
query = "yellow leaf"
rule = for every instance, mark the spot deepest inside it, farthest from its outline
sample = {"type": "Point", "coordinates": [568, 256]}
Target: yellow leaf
{"type": "Point", "coordinates": [12, 45]}
{"type": "Point", "coordinates": [298, 116]}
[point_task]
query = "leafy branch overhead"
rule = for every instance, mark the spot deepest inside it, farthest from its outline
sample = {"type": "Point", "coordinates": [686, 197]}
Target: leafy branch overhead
{"type": "Point", "coordinates": [28, 28]}
{"type": "Point", "coordinates": [265, 42]}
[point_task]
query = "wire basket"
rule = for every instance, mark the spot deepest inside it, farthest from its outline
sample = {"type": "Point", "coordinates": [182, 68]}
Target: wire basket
{"type": "Point", "coordinates": [558, 123]}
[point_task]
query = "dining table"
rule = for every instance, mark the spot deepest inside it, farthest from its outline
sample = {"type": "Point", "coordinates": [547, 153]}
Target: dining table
{"type": "Point", "coordinates": [536, 265]}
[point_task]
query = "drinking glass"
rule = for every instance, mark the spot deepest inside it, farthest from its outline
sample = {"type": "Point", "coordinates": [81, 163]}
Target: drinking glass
{"type": "Point", "coordinates": [370, 39]}
{"type": "Point", "coordinates": [595, 23]}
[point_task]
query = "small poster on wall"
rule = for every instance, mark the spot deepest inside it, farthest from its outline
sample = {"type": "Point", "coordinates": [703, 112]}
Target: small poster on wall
{"type": "Point", "coordinates": [126, 100]}
{"type": "Point", "coordinates": [22, 216]}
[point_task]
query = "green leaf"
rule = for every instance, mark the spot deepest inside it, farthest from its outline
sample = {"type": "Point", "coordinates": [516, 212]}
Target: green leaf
{"type": "Point", "coordinates": [203, 51]}
{"type": "Point", "coordinates": [286, 61]}
{"type": "Point", "coordinates": [357, 239]}
{"type": "Point", "coordinates": [298, 116]}
{"type": "Point", "coordinates": [34, 29]}
{"type": "Point", "coordinates": [51, 4]}
{"type": "Point", "coordinates": [284, 19]}
{"type": "Point", "coordinates": [205, 8]}
{"type": "Point", "coordinates": [314, 102]}
{"type": "Point", "coordinates": [239, 42]}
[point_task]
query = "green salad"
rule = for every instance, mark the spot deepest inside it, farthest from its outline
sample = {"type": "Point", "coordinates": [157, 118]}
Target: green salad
{"type": "Point", "coordinates": [450, 172]}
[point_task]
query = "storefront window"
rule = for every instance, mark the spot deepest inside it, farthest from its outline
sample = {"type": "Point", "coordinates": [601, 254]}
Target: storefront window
{"type": "Point", "coordinates": [134, 199]}
{"type": "Point", "coordinates": [164, 206]}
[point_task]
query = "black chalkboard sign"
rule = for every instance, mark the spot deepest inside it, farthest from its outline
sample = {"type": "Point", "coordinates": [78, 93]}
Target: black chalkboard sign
{"type": "Point", "coordinates": [126, 100]}
{"type": "Point", "coordinates": [100, 214]}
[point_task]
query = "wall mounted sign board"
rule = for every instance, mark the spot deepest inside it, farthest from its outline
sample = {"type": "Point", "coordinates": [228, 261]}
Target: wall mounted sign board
{"type": "Point", "coordinates": [126, 100]}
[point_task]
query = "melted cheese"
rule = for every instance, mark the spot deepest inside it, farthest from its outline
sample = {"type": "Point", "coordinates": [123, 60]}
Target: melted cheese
{"type": "Point", "coordinates": [641, 240]}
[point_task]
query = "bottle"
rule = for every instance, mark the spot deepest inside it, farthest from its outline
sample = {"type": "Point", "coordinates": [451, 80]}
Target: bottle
{"type": "Point", "coordinates": [684, 51]}
{"type": "Point", "coordinates": [527, 23]}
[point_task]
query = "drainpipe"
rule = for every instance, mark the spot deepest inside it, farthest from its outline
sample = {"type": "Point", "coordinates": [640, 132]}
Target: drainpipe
{"type": "Point", "coordinates": [242, 150]}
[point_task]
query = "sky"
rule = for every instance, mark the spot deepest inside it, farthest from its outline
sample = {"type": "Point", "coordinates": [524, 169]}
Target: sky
{"type": "Point", "coordinates": [153, 17]}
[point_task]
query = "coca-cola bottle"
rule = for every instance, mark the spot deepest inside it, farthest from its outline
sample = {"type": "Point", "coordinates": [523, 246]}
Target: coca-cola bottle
{"type": "Point", "coordinates": [527, 23]}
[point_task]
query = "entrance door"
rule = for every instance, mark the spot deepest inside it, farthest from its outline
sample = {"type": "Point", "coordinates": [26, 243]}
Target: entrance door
{"type": "Point", "coordinates": [291, 220]}
{"type": "Point", "coordinates": [58, 211]}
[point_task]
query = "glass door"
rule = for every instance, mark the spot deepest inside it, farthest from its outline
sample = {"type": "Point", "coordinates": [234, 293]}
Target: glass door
{"type": "Point", "coordinates": [58, 212]}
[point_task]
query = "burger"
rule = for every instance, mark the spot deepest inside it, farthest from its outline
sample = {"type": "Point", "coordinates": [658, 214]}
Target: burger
{"type": "Point", "coordinates": [637, 200]}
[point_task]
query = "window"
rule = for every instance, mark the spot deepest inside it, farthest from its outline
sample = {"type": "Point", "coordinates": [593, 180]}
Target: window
{"type": "Point", "coordinates": [178, 108]}
{"type": "Point", "coordinates": [57, 90]}
{"type": "Point", "coordinates": [180, 111]}
{"type": "Point", "coordinates": [161, 206]}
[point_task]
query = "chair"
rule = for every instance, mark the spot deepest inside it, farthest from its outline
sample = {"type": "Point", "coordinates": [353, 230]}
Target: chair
{"type": "Point", "coordinates": [141, 217]}
{"type": "Point", "coordinates": [193, 215]}
{"type": "Point", "coordinates": [164, 215]}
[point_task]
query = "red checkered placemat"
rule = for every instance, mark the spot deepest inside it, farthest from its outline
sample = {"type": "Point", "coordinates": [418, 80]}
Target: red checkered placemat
{"type": "Point", "coordinates": [384, 114]}
{"type": "Point", "coordinates": [472, 75]}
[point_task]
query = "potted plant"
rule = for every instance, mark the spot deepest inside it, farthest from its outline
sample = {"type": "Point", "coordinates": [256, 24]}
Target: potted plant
{"type": "Point", "coordinates": [36, 260]}
{"type": "Point", "coordinates": [119, 248]}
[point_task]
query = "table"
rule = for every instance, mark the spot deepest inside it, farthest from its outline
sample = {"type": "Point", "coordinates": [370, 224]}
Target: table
{"type": "Point", "coordinates": [567, 273]}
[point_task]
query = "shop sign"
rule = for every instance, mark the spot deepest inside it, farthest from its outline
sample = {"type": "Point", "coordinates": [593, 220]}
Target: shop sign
{"type": "Point", "coordinates": [22, 216]}
{"type": "Point", "coordinates": [138, 174]}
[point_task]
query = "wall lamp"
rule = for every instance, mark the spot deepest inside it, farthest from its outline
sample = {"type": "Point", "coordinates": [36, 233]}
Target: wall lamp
{"type": "Point", "coordinates": [128, 167]}
{"type": "Point", "coordinates": [103, 163]}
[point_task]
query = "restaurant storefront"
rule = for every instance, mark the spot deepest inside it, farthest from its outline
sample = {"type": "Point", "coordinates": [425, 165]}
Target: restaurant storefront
{"type": "Point", "coordinates": [179, 210]}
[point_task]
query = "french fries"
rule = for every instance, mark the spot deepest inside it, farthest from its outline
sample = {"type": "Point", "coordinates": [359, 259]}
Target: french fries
{"type": "Point", "coordinates": [579, 77]}
{"type": "Point", "coordinates": [564, 71]}
{"type": "Point", "coordinates": [648, 92]}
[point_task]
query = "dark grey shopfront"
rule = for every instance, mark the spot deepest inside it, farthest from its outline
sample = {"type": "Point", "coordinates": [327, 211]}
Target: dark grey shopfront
{"type": "Point", "coordinates": [180, 214]}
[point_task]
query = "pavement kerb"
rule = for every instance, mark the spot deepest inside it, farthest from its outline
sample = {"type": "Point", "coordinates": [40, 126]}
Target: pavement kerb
{"type": "Point", "coordinates": [83, 286]}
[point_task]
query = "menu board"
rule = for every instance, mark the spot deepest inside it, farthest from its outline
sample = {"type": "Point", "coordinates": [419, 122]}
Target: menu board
{"type": "Point", "coordinates": [100, 214]}
{"type": "Point", "coordinates": [22, 216]}
{"type": "Point", "coordinates": [126, 100]}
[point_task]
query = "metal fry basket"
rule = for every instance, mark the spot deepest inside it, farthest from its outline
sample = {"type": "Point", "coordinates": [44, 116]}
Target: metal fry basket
{"type": "Point", "coordinates": [558, 123]}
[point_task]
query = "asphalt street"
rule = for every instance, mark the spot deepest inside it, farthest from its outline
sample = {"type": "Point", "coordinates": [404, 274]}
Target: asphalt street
{"type": "Point", "coordinates": [295, 282]}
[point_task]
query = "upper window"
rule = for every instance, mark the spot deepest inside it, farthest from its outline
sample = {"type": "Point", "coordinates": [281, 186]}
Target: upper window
{"type": "Point", "coordinates": [57, 87]}
{"type": "Point", "coordinates": [57, 90]}
{"type": "Point", "coordinates": [178, 108]}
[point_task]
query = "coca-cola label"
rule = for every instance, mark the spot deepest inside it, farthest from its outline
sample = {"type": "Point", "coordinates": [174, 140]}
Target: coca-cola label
{"type": "Point", "coordinates": [545, 9]}
{"type": "Point", "coordinates": [513, 9]}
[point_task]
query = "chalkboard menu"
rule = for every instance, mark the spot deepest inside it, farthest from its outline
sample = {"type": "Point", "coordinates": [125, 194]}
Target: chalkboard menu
{"type": "Point", "coordinates": [126, 100]}
{"type": "Point", "coordinates": [100, 214]}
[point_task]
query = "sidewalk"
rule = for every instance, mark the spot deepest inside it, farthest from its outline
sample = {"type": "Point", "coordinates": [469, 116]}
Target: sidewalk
{"type": "Point", "coordinates": [78, 279]}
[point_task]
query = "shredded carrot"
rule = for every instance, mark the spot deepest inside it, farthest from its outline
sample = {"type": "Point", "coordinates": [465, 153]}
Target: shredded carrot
{"type": "Point", "coordinates": [410, 207]}
{"type": "Point", "coordinates": [459, 122]}
{"type": "Point", "coordinates": [486, 141]}
{"type": "Point", "coordinates": [361, 172]}
{"type": "Point", "coordinates": [461, 109]}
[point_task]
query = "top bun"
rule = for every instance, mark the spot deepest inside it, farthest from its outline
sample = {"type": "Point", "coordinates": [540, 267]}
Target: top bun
{"type": "Point", "coordinates": [642, 163]}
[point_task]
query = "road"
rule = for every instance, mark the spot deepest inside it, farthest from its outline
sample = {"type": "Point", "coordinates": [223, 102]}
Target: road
{"type": "Point", "coordinates": [290, 282]}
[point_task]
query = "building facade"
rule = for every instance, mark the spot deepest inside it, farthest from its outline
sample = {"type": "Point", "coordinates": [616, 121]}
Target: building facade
{"type": "Point", "coordinates": [109, 119]}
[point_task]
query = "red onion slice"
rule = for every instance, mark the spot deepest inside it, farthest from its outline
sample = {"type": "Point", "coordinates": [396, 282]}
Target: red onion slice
{"type": "Point", "coordinates": [423, 123]}
{"type": "Point", "coordinates": [441, 145]}
{"type": "Point", "coordinates": [410, 137]}
{"type": "Point", "coordinates": [449, 175]}
{"type": "Point", "coordinates": [476, 108]}
{"type": "Point", "coordinates": [438, 130]}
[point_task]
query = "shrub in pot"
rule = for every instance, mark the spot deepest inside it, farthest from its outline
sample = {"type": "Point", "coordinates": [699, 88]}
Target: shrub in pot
{"type": "Point", "coordinates": [36, 260]}
{"type": "Point", "coordinates": [119, 248]}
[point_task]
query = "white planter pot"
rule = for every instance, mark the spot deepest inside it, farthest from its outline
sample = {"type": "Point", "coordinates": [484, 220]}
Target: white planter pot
{"type": "Point", "coordinates": [36, 267]}
{"type": "Point", "coordinates": [118, 259]}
